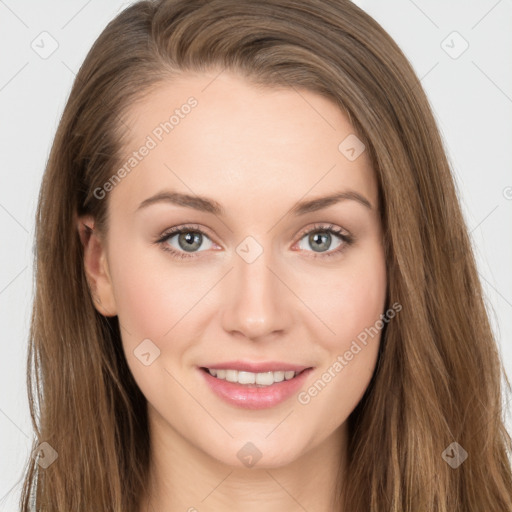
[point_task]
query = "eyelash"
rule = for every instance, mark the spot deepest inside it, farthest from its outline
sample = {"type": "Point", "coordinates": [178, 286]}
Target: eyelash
{"type": "Point", "coordinates": [346, 239]}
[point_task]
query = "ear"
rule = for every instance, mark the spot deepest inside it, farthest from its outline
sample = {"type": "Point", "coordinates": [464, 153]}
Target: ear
{"type": "Point", "coordinates": [96, 267]}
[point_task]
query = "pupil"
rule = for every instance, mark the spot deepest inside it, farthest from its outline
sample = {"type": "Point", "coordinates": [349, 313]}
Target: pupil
{"type": "Point", "coordinates": [192, 242]}
{"type": "Point", "coordinates": [325, 236]}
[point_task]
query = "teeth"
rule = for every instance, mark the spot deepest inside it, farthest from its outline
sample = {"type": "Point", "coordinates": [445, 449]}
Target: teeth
{"type": "Point", "coordinates": [279, 376]}
{"type": "Point", "coordinates": [260, 379]}
{"type": "Point", "coordinates": [231, 375]}
{"type": "Point", "coordinates": [247, 378]}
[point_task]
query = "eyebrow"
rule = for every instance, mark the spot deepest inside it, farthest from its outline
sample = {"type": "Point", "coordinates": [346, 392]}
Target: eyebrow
{"type": "Point", "coordinates": [205, 204]}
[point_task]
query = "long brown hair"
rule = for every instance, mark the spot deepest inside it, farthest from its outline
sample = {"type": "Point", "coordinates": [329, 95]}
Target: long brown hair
{"type": "Point", "coordinates": [438, 375]}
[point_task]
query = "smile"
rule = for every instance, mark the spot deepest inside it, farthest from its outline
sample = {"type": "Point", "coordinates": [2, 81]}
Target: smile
{"type": "Point", "coordinates": [254, 390]}
{"type": "Point", "coordinates": [258, 379]}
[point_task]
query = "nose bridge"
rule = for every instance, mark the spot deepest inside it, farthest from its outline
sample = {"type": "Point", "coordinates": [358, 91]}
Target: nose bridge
{"type": "Point", "coordinates": [255, 302]}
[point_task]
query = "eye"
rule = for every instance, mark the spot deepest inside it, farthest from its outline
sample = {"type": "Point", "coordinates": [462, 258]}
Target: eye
{"type": "Point", "coordinates": [183, 240]}
{"type": "Point", "coordinates": [320, 238]}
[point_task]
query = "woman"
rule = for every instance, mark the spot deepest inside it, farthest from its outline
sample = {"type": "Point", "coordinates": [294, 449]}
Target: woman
{"type": "Point", "coordinates": [255, 287]}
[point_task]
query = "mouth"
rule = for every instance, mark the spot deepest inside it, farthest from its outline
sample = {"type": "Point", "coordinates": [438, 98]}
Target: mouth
{"type": "Point", "coordinates": [268, 385]}
{"type": "Point", "coordinates": [253, 379]}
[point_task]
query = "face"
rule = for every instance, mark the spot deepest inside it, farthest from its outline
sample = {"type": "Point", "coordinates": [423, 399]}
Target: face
{"type": "Point", "coordinates": [245, 271]}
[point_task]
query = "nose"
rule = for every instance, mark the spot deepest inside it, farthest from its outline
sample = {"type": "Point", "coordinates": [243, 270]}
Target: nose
{"type": "Point", "coordinates": [258, 304]}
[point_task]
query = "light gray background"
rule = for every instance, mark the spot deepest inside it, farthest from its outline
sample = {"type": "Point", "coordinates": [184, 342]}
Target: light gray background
{"type": "Point", "coordinates": [471, 96]}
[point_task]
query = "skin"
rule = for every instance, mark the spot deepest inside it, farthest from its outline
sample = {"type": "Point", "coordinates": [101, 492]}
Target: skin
{"type": "Point", "coordinates": [256, 151]}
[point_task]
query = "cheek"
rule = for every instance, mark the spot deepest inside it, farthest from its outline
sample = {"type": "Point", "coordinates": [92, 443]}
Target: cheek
{"type": "Point", "coordinates": [360, 301]}
{"type": "Point", "coordinates": [353, 297]}
{"type": "Point", "coordinates": [152, 298]}
{"type": "Point", "coordinates": [151, 294]}
{"type": "Point", "coordinates": [352, 309]}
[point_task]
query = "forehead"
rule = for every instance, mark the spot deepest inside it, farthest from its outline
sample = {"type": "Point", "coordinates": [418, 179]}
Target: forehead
{"type": "Point", "coordinates": [221, 136]}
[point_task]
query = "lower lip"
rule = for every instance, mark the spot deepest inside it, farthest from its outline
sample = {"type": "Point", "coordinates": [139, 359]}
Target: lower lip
{"type": "Point", "coordinates": [247, 396]}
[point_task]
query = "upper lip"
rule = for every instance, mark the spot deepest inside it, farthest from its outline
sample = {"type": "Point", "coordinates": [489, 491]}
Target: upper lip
{"type": "Point", "coordinates": [247, 366]}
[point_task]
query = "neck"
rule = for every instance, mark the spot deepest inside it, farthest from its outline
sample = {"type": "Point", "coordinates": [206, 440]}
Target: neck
{"type": "Point", "coordinates": [185, 477]}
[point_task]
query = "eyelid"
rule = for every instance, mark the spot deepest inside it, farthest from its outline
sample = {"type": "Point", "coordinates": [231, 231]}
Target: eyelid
{"type": "Point", "coordinates": [327, 226]}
